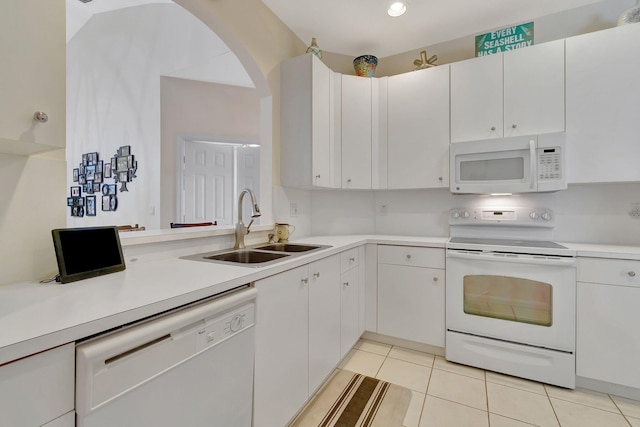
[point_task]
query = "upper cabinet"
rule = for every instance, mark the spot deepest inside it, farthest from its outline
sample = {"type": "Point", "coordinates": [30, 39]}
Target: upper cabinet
{"type": "Point", "coordinates": [602, 105]}
{"type": "Point", "coordinates": [307, 123]}
{"type": "Point", "coordinates": [418, 129]}
{"type": "Point", "coordinates": [357, 127]}
{"type": "Point", "coordinates": [33, 75]}
{"type": "Point", "coordinates": [520, 92]}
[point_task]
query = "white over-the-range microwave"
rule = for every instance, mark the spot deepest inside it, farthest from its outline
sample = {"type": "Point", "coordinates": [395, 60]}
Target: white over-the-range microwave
{"type": "Point", "coordinates": [520, 164]}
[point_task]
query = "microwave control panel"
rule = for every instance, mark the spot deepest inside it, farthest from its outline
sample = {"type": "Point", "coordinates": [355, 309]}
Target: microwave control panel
{"type": "Point", "coordinates": [549, 163]}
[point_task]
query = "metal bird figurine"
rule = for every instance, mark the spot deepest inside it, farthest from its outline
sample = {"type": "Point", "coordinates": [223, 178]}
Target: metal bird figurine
{"type": "Point", "coordinates": [423, 62]}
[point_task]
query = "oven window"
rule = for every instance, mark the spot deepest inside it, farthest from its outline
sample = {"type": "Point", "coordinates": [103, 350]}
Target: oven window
{"type": "Point", "coordinates": [508, 298]}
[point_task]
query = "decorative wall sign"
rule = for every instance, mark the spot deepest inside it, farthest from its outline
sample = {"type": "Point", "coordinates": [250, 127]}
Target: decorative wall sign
{"type": "Point", "coordinates": [91, 176]}
{"type": "Point", "coordinates": [505, 39]}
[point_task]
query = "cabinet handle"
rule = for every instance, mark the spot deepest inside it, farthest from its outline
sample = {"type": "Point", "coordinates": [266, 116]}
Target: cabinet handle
{"type": "Point", "coordinates": [40, 116]}
{"type": "Point", "coordinates": [318, 176]}
{"type": "Point", "coordinates": [493, 128]}
{"type": "Point", "coordinates": [513, 126]}
{"type": "Point", "coordinates": [408, 256]}
{"type": "Point", "coordinates": [439, 178]}
{"type": "Point", "coordinates": [305, 280]}
{"type": "Point", "coordinates": [316, 275]}
{"type": "Point", "coordinates": [346, 283]}
{"type": "Point", "coordinates": [632, 274]}
{"type": "Point", "coordinates": [435, 279]}
{"type": "Point", "coordinates": [349, 180]}
{"type": "Point", "coordinates": [352, 259]}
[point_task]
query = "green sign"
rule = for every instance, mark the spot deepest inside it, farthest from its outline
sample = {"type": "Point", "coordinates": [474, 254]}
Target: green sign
{"type": "Point", "coordinates": [508, 38]}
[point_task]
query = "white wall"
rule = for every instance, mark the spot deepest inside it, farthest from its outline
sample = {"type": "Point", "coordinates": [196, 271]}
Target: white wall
{"type": "Point", "coordinates": [114, 64]}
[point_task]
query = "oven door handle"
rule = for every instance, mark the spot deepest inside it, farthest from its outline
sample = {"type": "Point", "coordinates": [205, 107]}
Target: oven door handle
{"type": "Point", "coordinates": [515, 258]}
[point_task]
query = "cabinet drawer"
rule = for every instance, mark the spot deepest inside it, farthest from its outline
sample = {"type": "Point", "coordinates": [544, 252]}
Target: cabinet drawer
{"type": "Point", "coordinates": [609, 271]}
{"type": "Point", "coordinates": [348, 260]}
{"type": "Point", "coordinates": [411, 256]}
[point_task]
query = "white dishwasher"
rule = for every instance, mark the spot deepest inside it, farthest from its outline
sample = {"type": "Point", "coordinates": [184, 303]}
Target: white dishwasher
{"type": "Point", "coordinates": [190, 367]}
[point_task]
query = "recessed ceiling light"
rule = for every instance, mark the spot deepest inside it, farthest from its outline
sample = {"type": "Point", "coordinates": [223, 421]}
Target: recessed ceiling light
{"type": "Point", "coordinates": [396, 9]}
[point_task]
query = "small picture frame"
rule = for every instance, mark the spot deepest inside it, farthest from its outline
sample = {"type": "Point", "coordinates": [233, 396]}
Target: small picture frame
{"type": "Point", "coordinates": [124, 151]}
{"type": "Point", "coordinates": [113, 190]}
{"type": "Point", "coordinates": [99, 166]}
{"type": "Point", "coordinates": [97, 177]}
{"type": "Point", "coordinates": [88, 187]}
{"type": "Point", "coordinates": [78, 201]}
{"type": "Point", "coordinates": [123, 176]}
{"type": "Point", "coordinates": [92, 158]}
{"type": "Point", "coordinates": [91, 205]}
{"type": "Point", "coordinates": [107, 171]}
{"type": "Point", "coordinates": [122, 163]}
{"type": "Point", "coordinates": [96, 187]}
{"type": "Point", "coordinates": [105, 203]}
{"type": "Point", "coordinates": [130, 161]}
{"type": "Point", "coordinates": [75, 191]}
{"type": "Point", "coordinates": [114, 164]}
{"type": "Point", "coordinates": [76, 174]}
{"type": "Point", "coordinates": [82, 179]}
{"type": "Point", "coordinates": [85, 159]}
{"type": "Point", "coordinates": [91, 171]}
{"type": "Point", "coordinates": [70, 201]}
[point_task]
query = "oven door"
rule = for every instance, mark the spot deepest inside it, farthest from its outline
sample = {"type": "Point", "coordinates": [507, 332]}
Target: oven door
{"type": "Point", "coordinates": [520, 298]}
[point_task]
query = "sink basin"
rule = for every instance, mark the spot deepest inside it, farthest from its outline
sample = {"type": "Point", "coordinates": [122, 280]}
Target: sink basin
{"type": "Point", "coordinates": [246, 257]}
{"type": "Point", "coordinates": [290, 247]}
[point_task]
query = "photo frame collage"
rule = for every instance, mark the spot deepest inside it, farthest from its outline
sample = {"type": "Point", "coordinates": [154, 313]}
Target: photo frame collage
{"type": "Point", "coordinates": [91, 176]}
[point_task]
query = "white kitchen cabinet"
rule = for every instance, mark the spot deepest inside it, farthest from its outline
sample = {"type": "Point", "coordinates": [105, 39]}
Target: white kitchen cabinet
{"type": "Point", "coordinates": [324, 319]}
{"type": "Point", "coordinates": [602, 106]}
{"type": "Point", "coordinates": [418, 129]}
{"type": "Point", "coordinates": [349, 300]}
{"type": "Point", "coordinates": [520, 92]}
{"type": "Point", "coordinates": [38, 389]}
{"type": "Point", "coordinates": [607, 344]}
{"type": "Point", "coordinates": [33, 75]}
{"type": "Point", "coordinates": [281, 381]}
{"type": "Point", "coordinates": [356, 127]}
{"type": "Point", "coordinates": [411, 292]}
{"type": "Point", "coordinates": [308, 127]}
{"type": "Point", "coordinates": [67, 420]}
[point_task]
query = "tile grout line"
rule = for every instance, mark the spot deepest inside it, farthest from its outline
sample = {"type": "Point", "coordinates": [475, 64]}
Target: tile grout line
{"type": "Point", "coordinates": [555, 414]}
{"type": "Point", "coordinates": [424, 401]}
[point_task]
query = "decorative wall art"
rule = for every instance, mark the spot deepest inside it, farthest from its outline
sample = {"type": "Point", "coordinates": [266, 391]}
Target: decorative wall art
{"type": "Point", "coordinates": [91, 177]}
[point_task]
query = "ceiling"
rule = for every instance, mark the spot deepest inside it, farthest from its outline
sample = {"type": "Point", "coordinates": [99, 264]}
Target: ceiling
{"type": "Point", "coordinates": [356, 27]}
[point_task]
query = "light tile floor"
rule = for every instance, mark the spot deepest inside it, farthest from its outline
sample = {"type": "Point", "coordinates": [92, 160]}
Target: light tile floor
{"type": "Point", "coordinates": [446, 394]}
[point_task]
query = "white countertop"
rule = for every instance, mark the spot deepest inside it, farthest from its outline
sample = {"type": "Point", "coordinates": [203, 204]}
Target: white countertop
{"type": "Point", "coordinates": [35, 317]}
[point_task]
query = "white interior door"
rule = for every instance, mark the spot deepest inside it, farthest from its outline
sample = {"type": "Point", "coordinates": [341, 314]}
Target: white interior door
{"type": "Point", "coordinates": [248, 174]}
{"type": "Point", "coordinates": [207, 183]}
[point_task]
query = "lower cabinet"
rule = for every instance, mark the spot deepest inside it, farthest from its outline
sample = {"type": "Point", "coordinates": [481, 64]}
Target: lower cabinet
{"type": "Point", "coordinates": [607, 344]}
{"type": "Point", "coordinates": [349, 300]}
{"type": "Point", "coordinates": [297, 338]}
{"type": "Point", "coordinates": [39, 390]}
{"type": "Point", "coordinates": [411, 293]}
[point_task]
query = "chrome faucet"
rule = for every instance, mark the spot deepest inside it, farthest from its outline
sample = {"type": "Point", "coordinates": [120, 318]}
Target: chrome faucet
{"type": "Point", "coordinates": [241, 230]}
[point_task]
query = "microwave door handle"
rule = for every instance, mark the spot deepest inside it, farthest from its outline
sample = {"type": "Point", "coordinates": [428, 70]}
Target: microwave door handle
{"type": "Point", "coordinates": [532, 164]}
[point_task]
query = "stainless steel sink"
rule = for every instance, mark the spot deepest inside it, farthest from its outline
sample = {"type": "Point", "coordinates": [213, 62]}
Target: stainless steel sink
{"type": "Point", "coordinates": [256, 256]}
{"type": "Point", "coordinates": [239, 256]}
{"type": "Point", "coordinates": [290, 247]}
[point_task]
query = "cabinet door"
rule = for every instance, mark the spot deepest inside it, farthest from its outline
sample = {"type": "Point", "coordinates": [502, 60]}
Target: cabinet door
{"type": "Point", "coordinates": [281, 354]}
{"type": "Point", "coordinates": [418, 126]}
{"type": "Point", "coordinates": [534, 89]}
{"type": "Point", "coordinates": [350, 316]}
{"type": "Point", "coordinates": [307, 137]}
{"type": "Point", "coordinates": [356, 132]}
{"type": "Point", "coordinates": [602, 106]}
{"type": "Point", "coordinates": [607, 344]}
{"type": "Point", "coordinates": [33, 75]}
{"type": "Point", "coordinates": [477, 99]}
{"type": "Point", "coordinates": [411, 303]}
{"type": "Point", "coordinates": [39, 388]}
{"type": "Point", "coordinates": [324, 319]}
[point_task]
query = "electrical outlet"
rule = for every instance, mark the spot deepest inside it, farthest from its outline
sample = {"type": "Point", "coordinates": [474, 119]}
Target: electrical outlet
{"type": "Point", "coordinates": [293, 209]}
{"type": "Point", "coordinates": [634, 212]}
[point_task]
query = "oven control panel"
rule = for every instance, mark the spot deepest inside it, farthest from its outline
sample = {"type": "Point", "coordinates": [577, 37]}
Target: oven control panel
{"type": "Point", "coordinates": [520, 216]}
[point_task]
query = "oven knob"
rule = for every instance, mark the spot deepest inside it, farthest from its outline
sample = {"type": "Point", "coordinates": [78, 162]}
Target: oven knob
{"type": "Point", "coordinates": [546, 216]}
{"type": "Point", "coordinates": [534, 215]}
{"type": "Point", "coordinates": [465, 214]}
{"type": "Point", "coordinates": [455, 215]}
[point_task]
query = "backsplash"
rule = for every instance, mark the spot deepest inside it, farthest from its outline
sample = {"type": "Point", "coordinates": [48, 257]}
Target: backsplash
{"type": "Point", "coordinates": [594, 213]}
